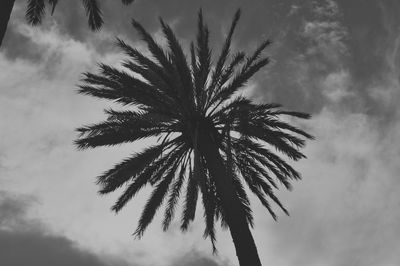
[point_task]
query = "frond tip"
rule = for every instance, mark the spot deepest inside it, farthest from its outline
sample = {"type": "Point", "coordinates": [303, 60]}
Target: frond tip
{"type": "Point", "coordinates": [36, 10]}
{"type": "Point", "coordinates": [94, 14]}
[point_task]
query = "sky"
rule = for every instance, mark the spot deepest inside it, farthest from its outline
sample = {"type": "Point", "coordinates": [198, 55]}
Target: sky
{"type": "Point", "coordinates": [338, 60]}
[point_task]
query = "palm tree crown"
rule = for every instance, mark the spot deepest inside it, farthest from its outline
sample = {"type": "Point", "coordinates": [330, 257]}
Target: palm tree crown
{"type": "Point", "coordinates": [185, 104]}
{"type": "Point", "coordinates": [37, 8]}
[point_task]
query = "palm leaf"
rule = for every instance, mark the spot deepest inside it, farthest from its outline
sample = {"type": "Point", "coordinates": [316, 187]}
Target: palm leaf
{"type": "Point", "coordinates": [127, 2]}
{"type": "Point", "coordinates": [189, 210]}
{"type": "Point", "coordinates": [204, 60]}
{"type": "Point", "coordinates": [155, 201]}
{"type": "Point", "coordinates": [35, 11]}
{"type": "Point", "coordinates": [109, 133]}
{"type": "Point", "coordinates": [249, 175]}
{"type": "Point", "coordinates": [95, 18]}
{"type": "Point", "coordinates": [178, 57]}
{"type": "Point", "coordinates": [173, 197]}
{"type": "Point", "coordinates": [157, 74]}
{"type": "Point", "coordinates": [128, 168]}
{"type": "Point", "coordinates": [154, 171]}
{"type": "Point", "coordinates": [207, 198]}
{"type": "Point", "coordinates": [53, 4]}
{"type": "Point", "coordinates": [225, 51]}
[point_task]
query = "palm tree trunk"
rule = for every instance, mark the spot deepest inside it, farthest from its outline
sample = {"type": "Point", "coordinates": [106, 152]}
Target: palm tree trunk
{"type": "Point", "coordinates": [5, 12]}
{"type": "Point", "coordinates": [246, 250]}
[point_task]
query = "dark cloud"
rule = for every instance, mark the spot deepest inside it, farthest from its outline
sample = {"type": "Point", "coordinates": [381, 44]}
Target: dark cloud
{"type": "Point", "coordinates": [24, 241]}
{"type": "Point", "coordinates": [311, 46]}
{"type": "Point", "coordinates": [313, 40]}
{"type": "Point", "coordinates": [17, 45]}
{"type": "Point", "coordinates": [375, 60]}
{"type": "Point", "coordinates": [367, 30]}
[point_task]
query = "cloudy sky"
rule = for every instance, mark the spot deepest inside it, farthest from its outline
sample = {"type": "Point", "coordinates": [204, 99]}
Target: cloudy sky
{"type": "Point", "coordinates": [338, 60]}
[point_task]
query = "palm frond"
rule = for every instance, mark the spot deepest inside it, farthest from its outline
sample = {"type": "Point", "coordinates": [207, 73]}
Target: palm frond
{"type": "Point", "coordinates": [257, 53]}
{"type": "Point", "coordinates": [129, 168]}
{"type": "Point", "coordinates": [226, 114]}
{"type": "Point", "coordinates": [275, 138]}
{"type": "Point", "coordinates": [160, 87]}
{"type": "Point", "coordinates": [156, 73]}
{"type": "Point", "coordinates": [257, 185]}
{"type": "Point", "coordinates": [237, 59]}
{"type": "Point", "coordinates": [53, 4]}
{"type": "Point", "coordinates": [178, 57]}
{"type": "Point", "coordinates": [292, 113]}
{"type": "Point", "coordinates": [243, 198]}
{"type": "Point", "coordinates": [113, 84]}
{"type": "Point", "coordinates": [238, 81]}
{"type": "Point", "coordinates": [269, 121]}
{"type": "Point", "coordinates": [94, 14]}
{"type": "Point", "coordinates": [155, 49]}
{"type": "Point", "coordinates": [173, 197]}
{"type": "Point", "coordinates": [154, 171]}
{"type": "Point", "coordinates": [35, 11]}
{"type": "Point", "coordinates": [109, 133]}
{"type": "Point", "coordinates": [155, 201]}
{"type": "Point", "coordinates": [208, 198]}
{"type": "Point", "coordinates": [127, 2]}
{"type": "Point", "coordinates": [204, 60]}
{"type": "Point", "coordinates": [251, 160]}
{"type": "Point", "coordinates": [249, 176]}
{"type": "Point", "coordinates": [271, 157]}
{"type": "Point", "coordinates": [189, 209]}
{"type": "Point", "coordinates": [269, 192]}
{"type": "Point", "coordinates": [225, 51]}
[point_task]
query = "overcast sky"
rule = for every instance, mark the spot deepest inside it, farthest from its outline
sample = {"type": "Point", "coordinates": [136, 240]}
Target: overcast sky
{"type": "Point", "coordinates": [338, 60]}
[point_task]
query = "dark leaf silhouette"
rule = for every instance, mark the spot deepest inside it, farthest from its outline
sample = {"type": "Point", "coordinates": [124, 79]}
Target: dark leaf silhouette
{"type": "Point", "coordinates": [211, 141]}
{"type": "Point", "coordinates": [36, 10]}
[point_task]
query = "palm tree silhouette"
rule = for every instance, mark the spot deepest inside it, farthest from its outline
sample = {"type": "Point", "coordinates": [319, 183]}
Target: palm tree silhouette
{"type": "Point", "coordinates": [37, 8]}
{"type": "Point", "coordinates": [208, 136]}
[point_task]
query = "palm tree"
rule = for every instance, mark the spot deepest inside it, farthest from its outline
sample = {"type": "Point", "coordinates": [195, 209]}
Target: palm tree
{"type": "Point", "coordinates": [209, 136]}
{"type": "Point", "coordinates": [36, 10]}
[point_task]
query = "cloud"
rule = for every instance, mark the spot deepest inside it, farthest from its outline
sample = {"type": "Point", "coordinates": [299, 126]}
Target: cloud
{"type": "Point", "coordinates": [310, 52]}
{"type": "Point", "coordinates": [37, 155]}
{"type": "Point", "coordinates": [326, 39]}
{"type": "Point", "coordinates": [385, 88]}
{"type": "Point", "coordinates": [24, 241]}
{"type": "Point", "coordinates": [345, 210]}
{"type": "Point", "coordinates": [325, 8]}
{"type": "Point", "coordinates": [336, 85]}
{"type": "Point", "coordinates": [195, 258]}
{"type": "Point", "coordinates": [27, 241]}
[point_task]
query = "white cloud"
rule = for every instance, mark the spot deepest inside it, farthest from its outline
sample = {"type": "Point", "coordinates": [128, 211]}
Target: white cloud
{"type": "Point", "coordinates": [326, 38]}
{"type": "Point", "coordinates": [40, 110]}
{"type": "Point", "coordinates": [345, 209]}
{"type": "Point", "coordinates": [336, 85]}
{"type": "Point", "coordinates": [326, 8]}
